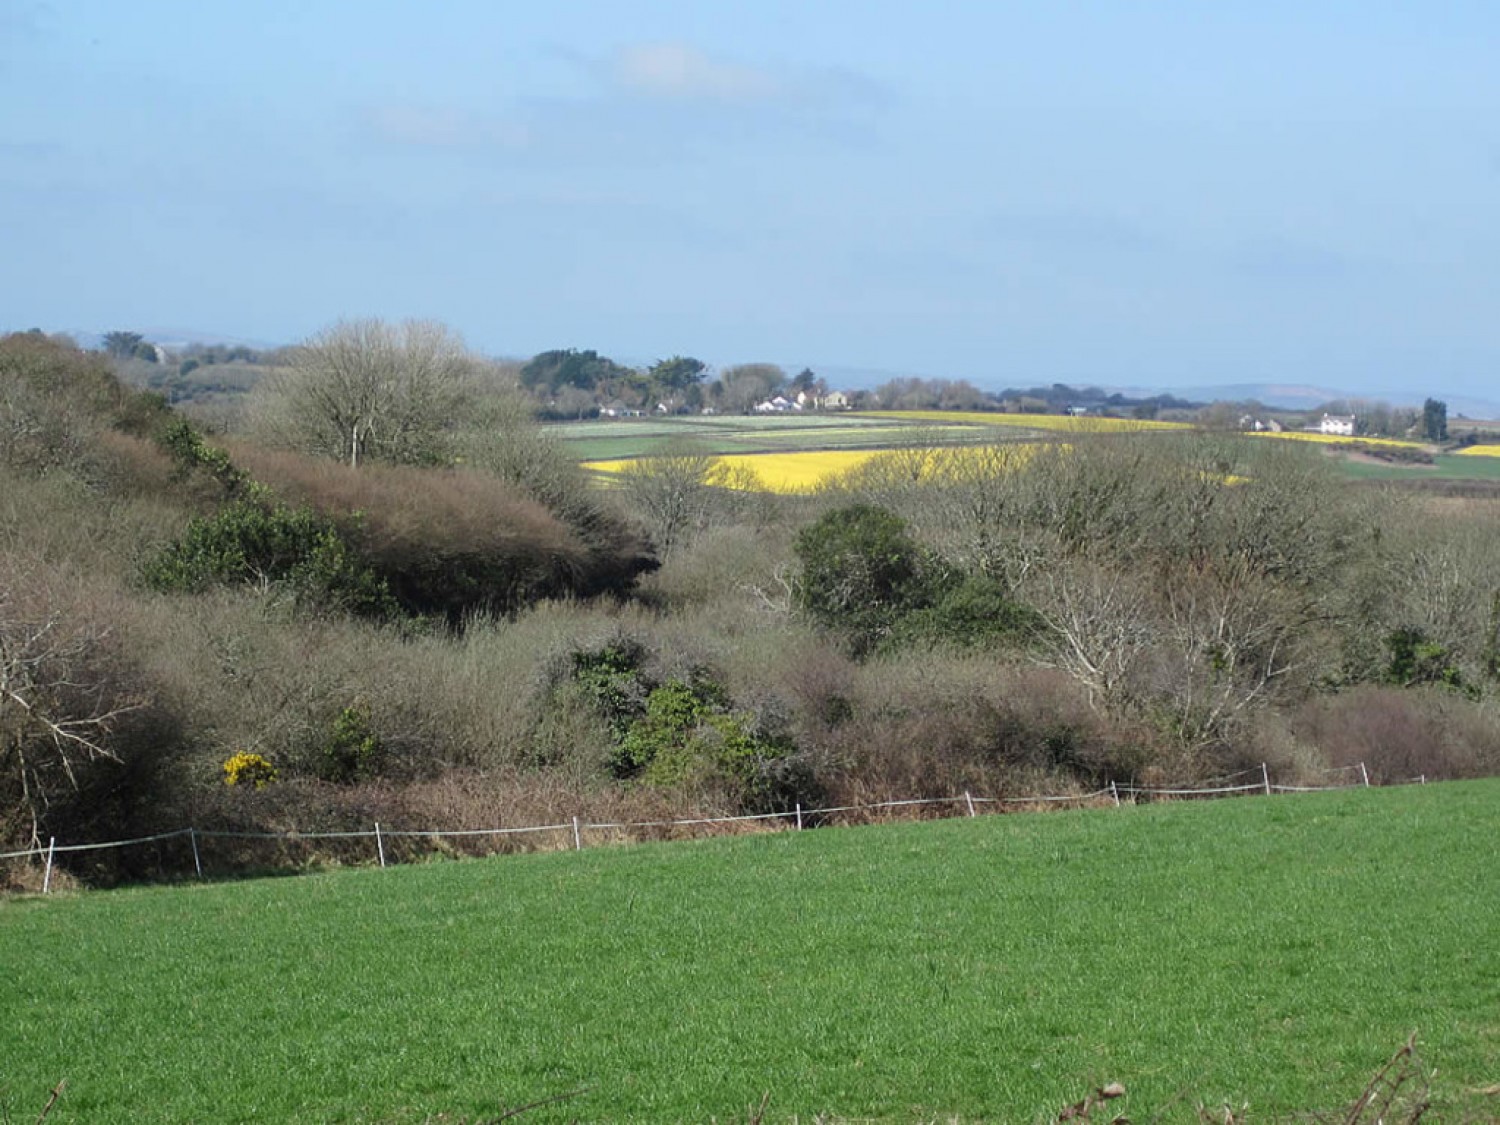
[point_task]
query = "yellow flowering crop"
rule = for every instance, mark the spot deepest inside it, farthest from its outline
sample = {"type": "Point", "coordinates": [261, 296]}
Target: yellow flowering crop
{"type": "Point", "coordinates": [1480, 451]}
{"type": "Point", "coordinates": [774, 472]}
{"type": "Point", "coordinates": [797, 472]}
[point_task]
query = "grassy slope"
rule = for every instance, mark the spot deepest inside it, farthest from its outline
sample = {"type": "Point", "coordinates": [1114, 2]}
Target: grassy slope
{"type": "Point", "coordinates": [1275, 950]}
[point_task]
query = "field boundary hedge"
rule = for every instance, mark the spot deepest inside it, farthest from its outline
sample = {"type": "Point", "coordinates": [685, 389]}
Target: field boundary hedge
{"type": "Point", "coordinates": [796, 818]}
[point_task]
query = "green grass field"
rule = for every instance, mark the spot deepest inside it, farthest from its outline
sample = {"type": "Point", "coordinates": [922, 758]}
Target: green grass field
{"type": "Point", "coordinates": [1446, 466]}
{"type": "Point", "coordinates": [1274, 951]}
{"type": "Point", "coordinates": [730, 434]}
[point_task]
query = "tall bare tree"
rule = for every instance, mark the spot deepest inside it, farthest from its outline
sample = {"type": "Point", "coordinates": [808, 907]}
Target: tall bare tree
{"type": "Point", "coordinates": [370, 389]}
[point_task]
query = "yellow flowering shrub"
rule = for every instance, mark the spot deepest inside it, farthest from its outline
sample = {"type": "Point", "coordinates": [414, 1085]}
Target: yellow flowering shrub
{"type": "Point", "coordinates": [249, 769]}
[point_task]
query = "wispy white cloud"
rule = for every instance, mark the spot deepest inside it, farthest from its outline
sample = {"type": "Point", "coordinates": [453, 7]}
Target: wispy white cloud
{"type": "Point", "coordinates": [684, 73]}
{"type": "Point", "coordinates": [647, 105]}
{"type": "Point", "coordinates": [679, 70]}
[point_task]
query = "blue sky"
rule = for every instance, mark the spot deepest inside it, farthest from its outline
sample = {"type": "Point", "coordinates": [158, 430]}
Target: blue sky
{"type": "Point", "coordinates": [1133, 194]}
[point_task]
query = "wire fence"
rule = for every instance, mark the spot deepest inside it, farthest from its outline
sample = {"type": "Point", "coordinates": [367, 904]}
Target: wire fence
{"type": "Point", "coordinates": [576, 830]}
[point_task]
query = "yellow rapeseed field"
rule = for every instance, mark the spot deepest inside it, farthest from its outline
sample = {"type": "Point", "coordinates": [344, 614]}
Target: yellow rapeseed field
{"type": "Point", "coordinates": [776, 472]}
{"type": "Point", "coordinates": [1480, 451]}
{"type": "Point", "coordinates": [797, 472]}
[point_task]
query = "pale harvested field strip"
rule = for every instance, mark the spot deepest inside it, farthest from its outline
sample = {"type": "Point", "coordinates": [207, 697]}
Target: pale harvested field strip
{"type": "Point", "coordinates": [1336, 439]}
{"type": "Point", "coordinates": [1081, 424]}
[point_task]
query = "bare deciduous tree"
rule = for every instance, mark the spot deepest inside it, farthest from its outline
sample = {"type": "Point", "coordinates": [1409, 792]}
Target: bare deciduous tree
{"type": "Point", "coordinates": [682, 489]}
{"type": "Point", "coordinates": [369, 389]}
{"type": "Point", "coordinates": [58, 707]}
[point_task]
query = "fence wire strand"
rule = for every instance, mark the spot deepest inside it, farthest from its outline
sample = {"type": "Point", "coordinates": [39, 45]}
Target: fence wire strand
{"type": "Point", "coordinates": [797, 816]}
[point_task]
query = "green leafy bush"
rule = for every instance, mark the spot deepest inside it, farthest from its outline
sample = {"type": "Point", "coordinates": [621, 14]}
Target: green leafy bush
{"type": "Point", "coordinates": [861, 572]}
{"type": "Point", "coordinates": [353, 750]}
{"type": "Point", "coordinates": [611, 678]}
{"type": "Point", "coordinates": [967, 612]}
{"type": "Point", "coordinates": [192, 454]}
{"type": "Point", "coordinates": [256, 542]}
{"type": "Point", "coordinates": [683, 732]}
{"type": "Point", "coordinates": [1416, 659]}
{"type": "Point", "coordinates": [865, 577]}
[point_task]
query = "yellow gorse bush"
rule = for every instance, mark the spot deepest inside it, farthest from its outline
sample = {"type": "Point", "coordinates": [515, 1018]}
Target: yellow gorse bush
{"type": "Point", "coordinates": [245, 768]}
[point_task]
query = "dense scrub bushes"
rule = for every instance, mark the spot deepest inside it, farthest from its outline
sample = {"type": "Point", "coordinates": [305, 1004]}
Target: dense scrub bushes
{"type": "Point", "coordinates": [1183, 581]}
{"type": "Point", "coordinates": [683, 731]}
{"type": "Point", "coordinates": [381, 539]}
{"type": "Point", "coordinates": [863, 576]}
{"type": "Point", "coordinates": [1402, 735]}
{"type": "Point", "coordinates": [996, 620]}
{"type": "Point", "coordinates": [259, 542]}
{"type": "Point", "coordinates": [54, 400]}
{"type": "Point", "coordinates": [456, 541]}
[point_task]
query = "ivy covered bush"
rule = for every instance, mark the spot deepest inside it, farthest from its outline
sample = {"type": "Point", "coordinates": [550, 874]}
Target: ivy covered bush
{"type": "Point", "coordinates": [263, 543]}
{"type": "Point", "coordinates": [683, 731]}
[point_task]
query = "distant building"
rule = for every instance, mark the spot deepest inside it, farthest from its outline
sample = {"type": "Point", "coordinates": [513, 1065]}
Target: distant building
{"type": "Point", "coordinates": [777, 405]}
{"type": "Point", "coordinates": [1340, 424]}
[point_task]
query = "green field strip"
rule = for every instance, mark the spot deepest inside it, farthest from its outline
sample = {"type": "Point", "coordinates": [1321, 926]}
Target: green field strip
{"type": "Point", "coordinates": [1273, 950]}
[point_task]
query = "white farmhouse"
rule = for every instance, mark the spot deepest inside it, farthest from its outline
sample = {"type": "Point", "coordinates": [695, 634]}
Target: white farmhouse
{"type": "Point", "coordinates": [1340, 424]}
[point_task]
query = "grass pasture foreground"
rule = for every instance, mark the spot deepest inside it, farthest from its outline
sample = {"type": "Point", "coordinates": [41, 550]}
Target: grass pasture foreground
{"type": "Point", "coordinates": [1269, 950]}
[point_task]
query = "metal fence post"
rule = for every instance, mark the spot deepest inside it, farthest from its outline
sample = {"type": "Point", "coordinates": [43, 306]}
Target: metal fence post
{"type": "Point", "coordinates": [577, 836]}
{"type": "Point", "coordinates": [47, 875]}
{"type": "Point", "coordinates": [197, 863]}
{"type": "Point", "coordinates": [969, 800]}
{"type": "Point", "coordinates": [379, 844]}
{"type": "Point", "coordinates": [1265, 777]}
{"type": "Point", "coordinates": [799, 816]}
{"type": "Point", "coordinates": [1364, 773]}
